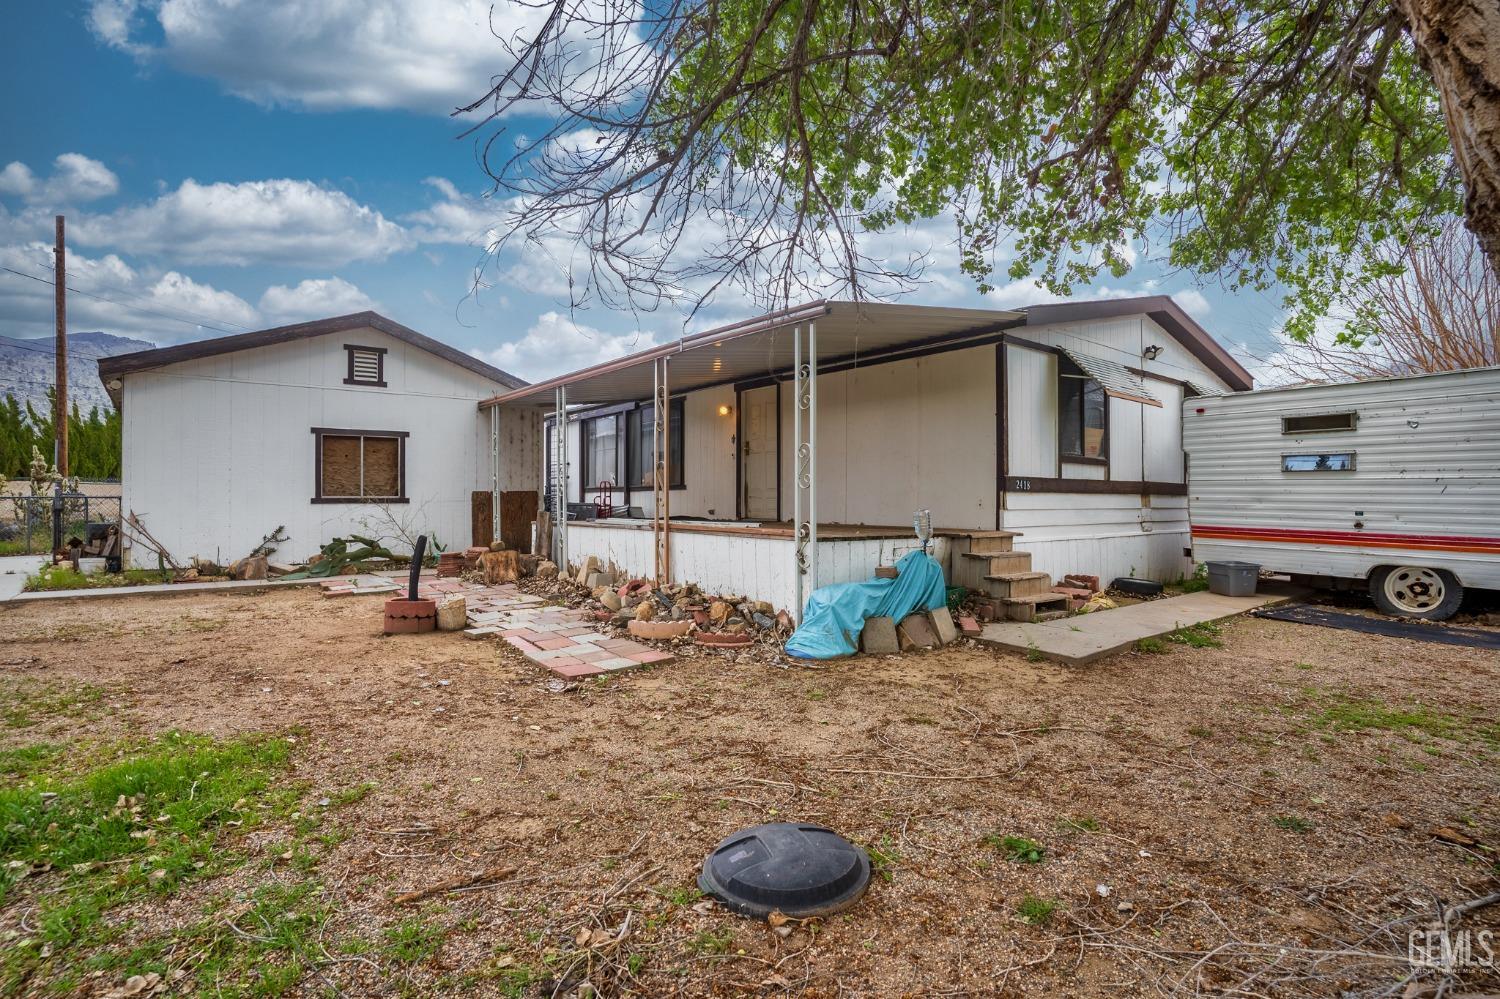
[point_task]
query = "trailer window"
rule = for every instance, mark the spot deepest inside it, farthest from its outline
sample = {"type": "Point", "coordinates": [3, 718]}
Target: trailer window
{"type": "Point", "coordinates": [1318, 423]}
{"type": "Point", "coordinates": [1337, 461]}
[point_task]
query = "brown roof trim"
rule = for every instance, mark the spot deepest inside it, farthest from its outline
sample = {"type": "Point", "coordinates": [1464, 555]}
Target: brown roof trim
{"type": "Point", "coordinates": [111, 368]}
{"type": "Point", "coordinates": [1166, 313]}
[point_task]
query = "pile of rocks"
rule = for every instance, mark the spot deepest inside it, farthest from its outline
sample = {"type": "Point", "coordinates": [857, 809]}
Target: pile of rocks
{"type": "Point", "coordinates": [675, 612]}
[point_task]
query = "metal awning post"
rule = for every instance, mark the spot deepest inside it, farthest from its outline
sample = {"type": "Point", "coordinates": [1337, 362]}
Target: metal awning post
{"type": "Point", "coordinates": [812, 450]}
{"type": "Point", "coordinates": [664, 415]}
{"type": "Point", "coordinates": [560, 528]}
{"type": "Point", "coordinates": [804, 499]}
{"type": "Point", "coordinates": [656, 470]}
{"type": "Point", "coordinates": [495, 473]}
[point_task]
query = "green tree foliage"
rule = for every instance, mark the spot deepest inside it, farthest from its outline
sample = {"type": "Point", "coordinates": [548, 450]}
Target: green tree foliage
{"type": "Point", "coordinates": [1266, 142]}
{"type": "Point", "coordinates": [93, 439]}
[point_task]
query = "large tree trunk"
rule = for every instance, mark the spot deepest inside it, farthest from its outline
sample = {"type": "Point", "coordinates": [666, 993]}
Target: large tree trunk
{"type": "Point", "coordinates": [1458, 42]}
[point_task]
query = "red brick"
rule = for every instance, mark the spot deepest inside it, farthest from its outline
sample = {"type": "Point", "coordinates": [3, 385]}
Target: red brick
{"type": "Point", "coordinates": [555, 643]}
{"type": "Point", "coordinates": [579, 671]}
{"type": "Point", "coordinates": [968, 625]}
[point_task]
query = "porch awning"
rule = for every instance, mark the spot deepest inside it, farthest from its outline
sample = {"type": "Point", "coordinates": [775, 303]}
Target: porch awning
{"type": "Point", "coordinates": [1115, 378]}
{"type": "Point", "coordinates": [762, 347]}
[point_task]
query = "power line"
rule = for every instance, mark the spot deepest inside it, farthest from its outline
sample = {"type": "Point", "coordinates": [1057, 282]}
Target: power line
{"type": "Point", "coordinates": [135, 308]}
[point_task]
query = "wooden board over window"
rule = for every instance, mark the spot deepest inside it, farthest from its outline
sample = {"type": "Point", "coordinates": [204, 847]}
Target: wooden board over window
{"type": "Point", "coordinates": [359, 466]}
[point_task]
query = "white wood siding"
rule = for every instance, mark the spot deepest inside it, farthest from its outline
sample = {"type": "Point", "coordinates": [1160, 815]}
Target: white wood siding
{"type": "Point", "coordinates": [1031, 411]}
{"type": "Point", "coordinates": [218, 451]}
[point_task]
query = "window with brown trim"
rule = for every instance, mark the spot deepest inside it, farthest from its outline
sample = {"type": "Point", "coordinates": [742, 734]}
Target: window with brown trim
{"type": "Point", "coordinates": [366, 366]}
{"type": "Point", "coordinates": [359, 466]}
{"type": "Point", "coordinates": [1082, 415]}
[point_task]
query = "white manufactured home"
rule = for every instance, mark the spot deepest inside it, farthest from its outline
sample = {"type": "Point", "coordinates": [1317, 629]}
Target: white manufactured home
{"type": "Point", "coordinates": [1394, 483]}
{"type": "Point", "coordinates": [348, 425]}
{"type": "Point", "coordinates": [792, 450]}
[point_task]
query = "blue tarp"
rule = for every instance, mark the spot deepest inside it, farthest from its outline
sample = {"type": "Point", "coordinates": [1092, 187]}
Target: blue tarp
{"type": "Point", "coordinates": [836, 614]}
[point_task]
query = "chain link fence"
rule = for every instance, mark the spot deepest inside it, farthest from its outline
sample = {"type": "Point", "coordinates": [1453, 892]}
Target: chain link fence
{"type": "Point", "coordinates": [29, 525]}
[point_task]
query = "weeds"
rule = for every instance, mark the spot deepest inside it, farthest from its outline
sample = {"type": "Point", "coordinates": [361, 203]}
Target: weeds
{"type": "Point", "coordinates": [1151, 646]}
{"type": "Point", "coordinates": [1035, 911]}
{"type": "Point", "coordinates": [1292, 823]}
{"type": "Point", "coordinates": [412, 940]}
{"type": "Point", "coordinates": [1017, 849]}
{"type": "Point", "coordinates": [1204, 635]}
{"type": "Point", "coordinates": [679, 897]}
{"type": "Point", "coordinates": [1079, 823]}
{"type": "Point", "coordinates": [883, 857]}
{"type": "Point", "coordinates": [707, 942]}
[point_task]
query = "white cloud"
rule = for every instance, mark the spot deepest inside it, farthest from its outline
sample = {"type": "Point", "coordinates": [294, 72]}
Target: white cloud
{"type": "Point", "coordinates": [420, 55]}
{"type": "Point", "coordinates": [259, 221]}
{"type": "Point", "coordinates": [75, 178]}
{"type": "Point", "coordinates": [556, 344]}
{"type": "Point", "coordinates": [314, 298]}
{"type": "Point", "coordinates": [456, 218]}
{"type": "Point", "coordinates": [111, 295]}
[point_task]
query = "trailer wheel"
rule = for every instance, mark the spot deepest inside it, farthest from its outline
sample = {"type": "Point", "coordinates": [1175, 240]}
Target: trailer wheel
{"type": "Point", "coordinates": [1415, 591]}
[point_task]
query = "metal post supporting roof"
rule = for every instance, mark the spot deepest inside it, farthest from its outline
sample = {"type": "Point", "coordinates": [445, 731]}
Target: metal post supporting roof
{"type": "Point", "coordinates": [495, 525]}
{"type": "Point", "coordinates": [560, 527]}
{"type": "Point", "coordinates": [805, 479]}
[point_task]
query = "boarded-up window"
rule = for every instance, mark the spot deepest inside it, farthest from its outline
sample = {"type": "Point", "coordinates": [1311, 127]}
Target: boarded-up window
{"type": "Point", "coordinates": [354, 465]}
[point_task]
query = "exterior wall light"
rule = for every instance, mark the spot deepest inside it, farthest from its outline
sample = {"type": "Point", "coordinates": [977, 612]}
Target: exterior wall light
{"type": "Point", "coordinates": [1151, 352]}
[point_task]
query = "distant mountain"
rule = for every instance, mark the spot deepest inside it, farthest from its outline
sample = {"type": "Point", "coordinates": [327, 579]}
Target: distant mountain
{"type": "Point", "coordinates": [26, 367]}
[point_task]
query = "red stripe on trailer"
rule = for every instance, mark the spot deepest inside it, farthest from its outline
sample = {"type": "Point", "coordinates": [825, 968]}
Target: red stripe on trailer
{"type": "Point", "coordinates": [1350, 539]}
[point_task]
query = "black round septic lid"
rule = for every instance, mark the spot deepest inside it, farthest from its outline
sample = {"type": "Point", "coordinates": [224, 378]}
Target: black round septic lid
{"type": "Point", "coordinates": [797, 869]}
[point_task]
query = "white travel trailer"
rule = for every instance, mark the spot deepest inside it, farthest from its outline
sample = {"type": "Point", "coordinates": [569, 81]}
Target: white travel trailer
{"type": "Point", "coordinates": [1393, 482]}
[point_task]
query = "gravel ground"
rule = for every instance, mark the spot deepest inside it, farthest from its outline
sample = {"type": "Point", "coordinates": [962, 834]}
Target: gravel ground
{"type": "Point", "coordinates": [1244, 819]}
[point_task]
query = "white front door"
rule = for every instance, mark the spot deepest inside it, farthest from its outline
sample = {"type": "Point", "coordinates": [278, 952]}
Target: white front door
{"type": "Point", "coordinates": [758, 453]}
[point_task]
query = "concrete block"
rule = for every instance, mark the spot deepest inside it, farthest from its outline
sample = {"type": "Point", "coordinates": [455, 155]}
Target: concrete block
{"type": "Point", "coordinates": [942, 625]}
{"type": "Point", "coordinates": [452, 614]}
{"type": "Point", "coordinates": [915, 632]}
{"type": "Point", "coordinates": [878, 637]}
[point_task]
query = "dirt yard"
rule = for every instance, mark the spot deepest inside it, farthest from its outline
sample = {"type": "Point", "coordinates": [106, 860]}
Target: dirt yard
{"type": "Point", "coordinates": [1268, 817]}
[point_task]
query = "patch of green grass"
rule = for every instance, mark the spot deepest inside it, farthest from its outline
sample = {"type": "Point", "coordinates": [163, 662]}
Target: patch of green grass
{"type": "Point", "coordinates": [1204, 635]}
{"type": "Point", "coordinates": [1079, 823]}
{"type": "Point", "coordinates": [679, 896]}
{"type": "Point", "coordinates": [1343, 713]}
{"type": "Point", "coordinates": [883, 857]}
{"type": "Point", "coordinates": [23, 705]}
{"type": "Point", "coordinates": [706, 942]}
{"type": "Point", "coordinates": [412, 940]}
{"type": "Point", "coordinates": [1292, 823]}
{"type": "Point", "coordinates": [1151, 646]}
{"type": "Point", "coordinates": [350, 795]}
{"type": "Point", "coordinates": [1304, 665]}
{"type": "Point", "coordinates": [1196, 583]}
{"type": "Point", "coordinates": [121, 830]}
{"type": "Point", "coordinates": [817, 694]}
{"type": "Point", "coordinates": [1035, 911]}
{"type": "Point", "coordinates": [65, 577]}
{"type": "Point", "coordinates": [24, 761]}
{"type": "Point", "coordinates": [1034, 654]}
{"type": "Point", "coordinates": [1017, 849]}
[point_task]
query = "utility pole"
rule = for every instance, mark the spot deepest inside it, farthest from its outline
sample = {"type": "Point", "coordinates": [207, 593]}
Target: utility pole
{"type": "Point", "coordinates": [60, 292]}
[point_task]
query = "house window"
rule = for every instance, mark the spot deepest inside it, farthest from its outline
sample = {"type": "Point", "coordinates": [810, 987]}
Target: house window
{"type": "Point", "coordinates": [603, 451]}
{"type": "Point", "coordinates": [1337, 461]}
{"type": "Point", "coordinates": [639, 433]}
{"type": "Point", "coordinates": [1319, 423]}
{"type": "Point", "coordinates": [359, 466]}
{"type": "Point", "coordinates": [1082, 416]}
{"type": "Point", "coordinates": [366, 366]}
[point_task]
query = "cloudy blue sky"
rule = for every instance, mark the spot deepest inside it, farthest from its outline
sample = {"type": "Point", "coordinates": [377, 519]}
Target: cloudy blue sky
{"type": "Point", "coordinates": [235, 164]}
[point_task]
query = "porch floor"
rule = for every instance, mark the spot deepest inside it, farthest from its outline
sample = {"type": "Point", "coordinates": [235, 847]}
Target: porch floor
{"type": "Point", "coordinates": [1086, 637]}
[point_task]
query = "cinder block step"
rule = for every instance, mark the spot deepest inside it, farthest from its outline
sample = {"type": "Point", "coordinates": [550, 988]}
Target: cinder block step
{"type": "Point", "coordinates": [1028, 607]}
{"type": "Point", "coordinates": [1003, 562]}
{"type": "Point", "coordinates": [1018, 584]}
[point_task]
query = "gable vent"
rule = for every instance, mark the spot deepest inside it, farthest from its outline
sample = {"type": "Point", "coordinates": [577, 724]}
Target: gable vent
{"type": "Point", "coordinates": [366, 366]}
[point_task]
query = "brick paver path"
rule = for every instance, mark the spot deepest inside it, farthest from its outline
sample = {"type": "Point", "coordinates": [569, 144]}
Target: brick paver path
{"type": "Point", "coordinates": [559, 638]}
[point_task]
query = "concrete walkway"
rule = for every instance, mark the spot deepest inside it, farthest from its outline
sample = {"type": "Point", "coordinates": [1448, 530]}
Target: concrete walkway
{"type": "Point", "coordinates": [13, 572]}
{"type": "Point", "coordinates": [1084, 638]}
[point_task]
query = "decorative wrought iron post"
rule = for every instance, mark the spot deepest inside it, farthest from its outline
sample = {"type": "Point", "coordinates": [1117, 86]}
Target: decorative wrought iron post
{"type": "Point", "coordinates": [495, 473]}
{"type": "Point", "coordinates": [805, 468]}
